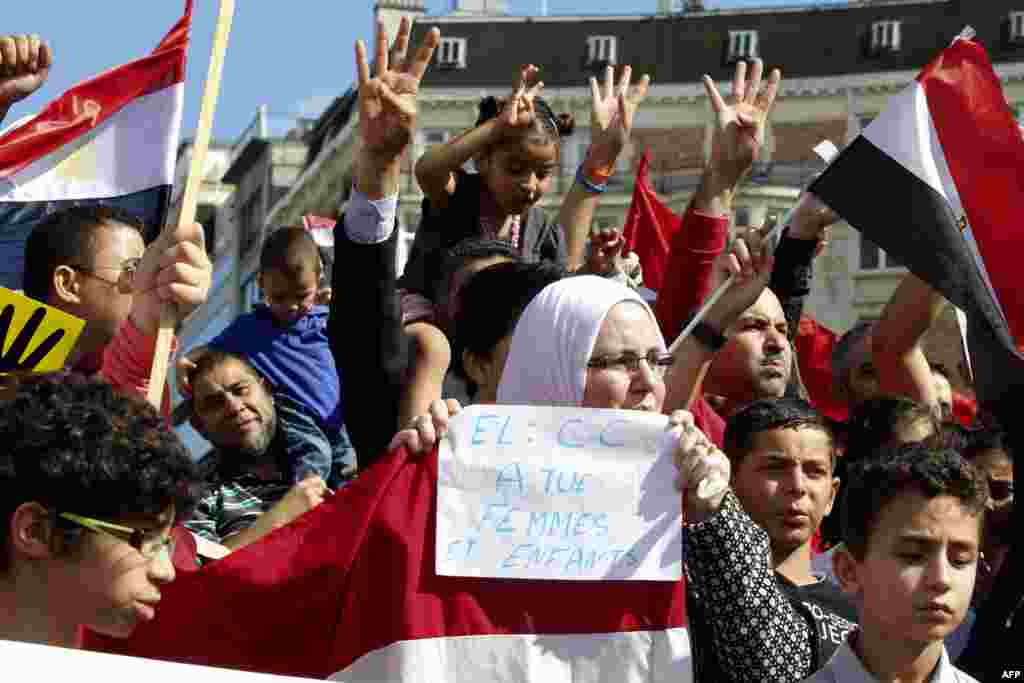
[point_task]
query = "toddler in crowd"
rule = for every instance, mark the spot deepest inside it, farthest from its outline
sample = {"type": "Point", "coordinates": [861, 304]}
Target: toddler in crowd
{"type": "Point", "coordinates": [285, 338]}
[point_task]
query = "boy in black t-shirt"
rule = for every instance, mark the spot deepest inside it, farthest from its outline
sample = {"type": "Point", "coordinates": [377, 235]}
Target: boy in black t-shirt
{"type": "Point", "coordinates": [749, 622]}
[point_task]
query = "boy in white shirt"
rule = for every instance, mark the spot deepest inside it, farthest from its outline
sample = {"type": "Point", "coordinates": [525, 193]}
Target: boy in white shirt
{"type": "Point", "coordinates": [912, 522]}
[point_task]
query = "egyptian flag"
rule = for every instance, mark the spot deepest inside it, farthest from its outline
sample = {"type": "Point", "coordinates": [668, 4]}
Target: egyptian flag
{"type": "Point", "coordinates": [349, 592]}
{"type": "Point", "coordinates": [649, 228]}
{"type": "Point", "coordinates": [109, 140]}
{"type": "Point", "coordinates": [935, 180]}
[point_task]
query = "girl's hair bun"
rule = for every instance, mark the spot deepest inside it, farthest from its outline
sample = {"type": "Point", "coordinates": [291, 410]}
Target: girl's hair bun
{"type": "Point", "coordinates": [566, 124]}
{"type": "Point", "coordinates": [490, 107]}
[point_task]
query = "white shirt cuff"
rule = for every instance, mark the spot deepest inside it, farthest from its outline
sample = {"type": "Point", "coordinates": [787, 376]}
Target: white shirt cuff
{"type": "Point", "coordinates": [370, 221]}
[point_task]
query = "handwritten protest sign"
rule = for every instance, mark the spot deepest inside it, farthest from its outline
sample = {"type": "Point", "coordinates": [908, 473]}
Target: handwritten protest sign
{"type": "Point", "coordinates": [48, 663]}
{"type": "Point", "coordinates": [34, 337]}
{"type": "Point", "coordinates": [557, 493]}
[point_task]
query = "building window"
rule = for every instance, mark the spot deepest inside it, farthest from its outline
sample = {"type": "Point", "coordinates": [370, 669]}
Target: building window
{"type": "Point", "coordinates": [885, 36]}
{"type": "Point", "coordinates": [742, 45]}
{"type": "Point", "coordinates": [873, 257]}
{"type": "Point", "coordinates": [436, 137]}
{"type": "Point", "coordinates": [1016, 34]}
{"type": "Point", "coordinates": [601, 49]}
{"type": "Point", "coordinates": [452, 53]}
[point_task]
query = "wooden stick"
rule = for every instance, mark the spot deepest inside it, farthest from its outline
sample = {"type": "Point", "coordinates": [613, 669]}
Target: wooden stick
{"type": "Point", "coordinates": [168, 317]}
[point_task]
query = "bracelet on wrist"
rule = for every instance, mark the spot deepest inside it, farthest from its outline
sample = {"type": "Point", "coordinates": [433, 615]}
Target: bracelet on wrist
{"type": "Point", "coordinates": [708, 336]}
{"type": "Point", "coordinates": [588, 185]}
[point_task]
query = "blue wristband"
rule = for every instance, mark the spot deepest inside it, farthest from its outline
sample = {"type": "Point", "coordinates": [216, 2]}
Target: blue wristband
{"type": "Point", "coordinates": [581, 178]}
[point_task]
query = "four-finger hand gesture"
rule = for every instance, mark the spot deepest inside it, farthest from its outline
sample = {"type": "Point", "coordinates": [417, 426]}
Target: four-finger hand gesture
{"type": "Point", "coordinates": [24, 65]}
{"type": "Point", "coordinates": [613, 109]}
{"type": "Point", "coordinates": [740, 122]}
{"type": "Point", "coordinates": [387, 100]}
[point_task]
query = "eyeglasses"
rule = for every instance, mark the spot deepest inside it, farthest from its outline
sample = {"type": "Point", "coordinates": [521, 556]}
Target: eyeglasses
{"type": "Point", "coordinates": [658, 361]}
{"type": "Point", "coordinates": [136, 538]}
{"type": "Point", "coordinates": [126, 276]}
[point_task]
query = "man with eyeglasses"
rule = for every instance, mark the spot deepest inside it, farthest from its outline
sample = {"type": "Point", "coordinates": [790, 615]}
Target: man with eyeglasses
{"type": "Point", "coordinates": [92, 262]}
{"type": "Point", "coordinates": [91, 484]}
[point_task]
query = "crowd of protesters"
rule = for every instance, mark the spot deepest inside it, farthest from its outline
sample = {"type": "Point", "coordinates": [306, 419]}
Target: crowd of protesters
{"type": "Point", "coordinates": [839, 551]}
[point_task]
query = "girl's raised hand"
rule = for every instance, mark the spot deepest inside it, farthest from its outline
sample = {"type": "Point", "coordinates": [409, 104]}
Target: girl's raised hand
{"type": "Point", "coordinates": [519, 110]}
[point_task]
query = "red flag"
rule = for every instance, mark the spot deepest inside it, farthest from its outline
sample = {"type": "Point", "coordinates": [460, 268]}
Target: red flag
{"type": "Point", "coordinates": [349, 591]}
{"type": "Point", "coordinates": [814, 345]}
{"type": "Point", "coordinates": [965, 409]}
{"type": "Point", "coordinates": [649, 228]}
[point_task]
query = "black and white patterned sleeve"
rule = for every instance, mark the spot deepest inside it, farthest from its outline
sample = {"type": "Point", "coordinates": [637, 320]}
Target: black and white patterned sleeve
{"type": "Point", "coordinates": [756, 633]}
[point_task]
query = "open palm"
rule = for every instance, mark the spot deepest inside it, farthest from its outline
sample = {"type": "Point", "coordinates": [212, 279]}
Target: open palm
{"type": "Point", "coordinates": [387, 100]}
{"type": "Point", "coordinates": [613, 110]}
{"type": "Point", "coordinates": [739, 130]}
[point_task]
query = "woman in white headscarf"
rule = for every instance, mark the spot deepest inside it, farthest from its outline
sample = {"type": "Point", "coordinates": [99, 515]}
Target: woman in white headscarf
{"type": "Point", "coordinates": [582, 341]}
{"type": "Point", "coordinates": [586, 341]}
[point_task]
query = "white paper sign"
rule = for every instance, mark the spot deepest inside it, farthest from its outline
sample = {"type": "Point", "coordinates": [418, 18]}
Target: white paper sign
{"type": "Point", "coordinates": [557, 493]}
{"type": "Point", "coordinates": [24, 661]}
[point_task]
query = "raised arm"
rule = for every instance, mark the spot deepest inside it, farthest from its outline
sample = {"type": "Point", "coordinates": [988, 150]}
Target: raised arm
{"type": "Point", "coordinates": [738, 136]}
{"type": "Point", "coordinates": [750, 622]}
{"type": "Point", "coordinates": [372, 361]}
{"type": "Point", "coordinates": [896, 349]}
{"type": "Point", "coordinates": [24, 66]}
{"type": "Point", "coordinates": [613, 110]}
{"type": "Point", "coordinates": [435, 170]}
{"type": "Point", "coordinates": [750, 264]}
{"type": "Point", "coordinates": [801, 241]}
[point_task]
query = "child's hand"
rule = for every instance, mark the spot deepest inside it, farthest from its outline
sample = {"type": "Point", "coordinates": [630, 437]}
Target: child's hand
{"type": "Point", "coordinates": [519, 112]}
{"type": "Point", "coordinates": [613, 110]}
{"type": "Point", "coordinates": [606, 252]}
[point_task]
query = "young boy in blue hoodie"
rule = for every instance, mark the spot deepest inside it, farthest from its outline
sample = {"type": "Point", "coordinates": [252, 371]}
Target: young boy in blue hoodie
{"type": "Point", "coordinates": [285, 339]}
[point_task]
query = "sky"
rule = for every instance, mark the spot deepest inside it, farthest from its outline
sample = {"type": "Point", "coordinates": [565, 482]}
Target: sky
{"type": "Point", "coordinates": [294, 60]}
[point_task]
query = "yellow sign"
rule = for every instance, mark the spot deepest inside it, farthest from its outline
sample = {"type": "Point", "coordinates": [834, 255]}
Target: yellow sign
{"type": "Point", "coordinates": [34, 337]}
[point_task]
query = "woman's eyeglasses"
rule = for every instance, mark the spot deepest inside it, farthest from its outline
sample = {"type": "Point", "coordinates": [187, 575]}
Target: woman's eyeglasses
{"type": "Point", "coordinates": [658, 361]}
{"type": "Point", "coordinates": [136, 538]}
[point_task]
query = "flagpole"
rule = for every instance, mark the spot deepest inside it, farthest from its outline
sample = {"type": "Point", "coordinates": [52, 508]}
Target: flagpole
{"type": "Point", "coordinates": [168, 319]}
